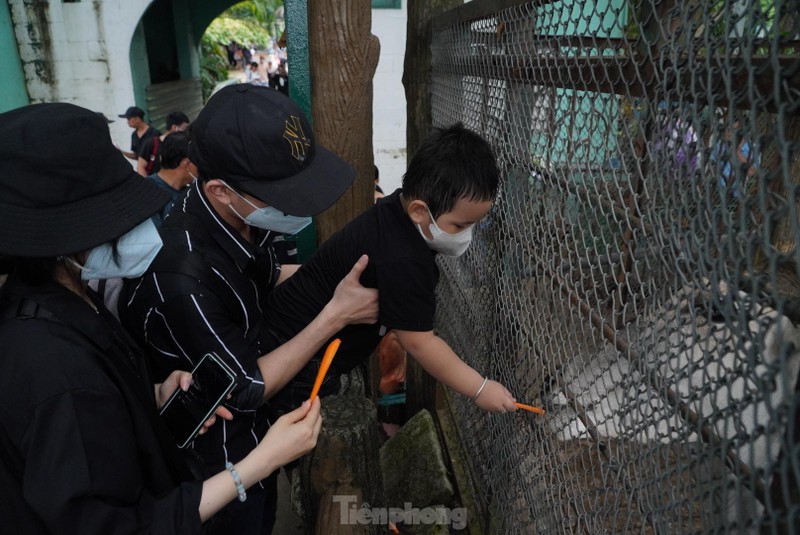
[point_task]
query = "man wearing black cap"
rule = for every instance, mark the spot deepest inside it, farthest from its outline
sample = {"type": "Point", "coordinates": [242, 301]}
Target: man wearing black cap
{"type": "Point", "coordinates": [149, 161]}
{"type": "Point", "coordinates": [260, 173]}
{"type": "Point", "coordinates": [141, 131]}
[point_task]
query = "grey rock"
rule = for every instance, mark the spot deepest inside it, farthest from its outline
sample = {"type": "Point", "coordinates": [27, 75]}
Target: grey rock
{"type": "Point", "coordinates": [413, 466]}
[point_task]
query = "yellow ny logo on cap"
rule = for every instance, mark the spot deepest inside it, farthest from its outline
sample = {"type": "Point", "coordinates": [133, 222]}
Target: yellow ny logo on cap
{"type": "Point", "coordinates": [296, 137]}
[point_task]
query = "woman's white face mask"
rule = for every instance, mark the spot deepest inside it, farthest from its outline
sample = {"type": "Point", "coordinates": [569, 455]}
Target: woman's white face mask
{"type": "Point", "coordinates": [136, 250]}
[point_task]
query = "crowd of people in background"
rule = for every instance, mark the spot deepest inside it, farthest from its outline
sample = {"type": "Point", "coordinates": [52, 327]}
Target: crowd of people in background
{"type": "Point", "coordinates": [265, 68]}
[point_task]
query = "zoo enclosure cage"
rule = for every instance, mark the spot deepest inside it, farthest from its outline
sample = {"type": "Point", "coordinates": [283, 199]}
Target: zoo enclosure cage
{"type": "Point", "coordinates": [638, 274]}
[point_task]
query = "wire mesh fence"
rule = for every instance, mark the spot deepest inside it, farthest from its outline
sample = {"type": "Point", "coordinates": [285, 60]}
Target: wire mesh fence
{"type": "Point", "coordinates": [638, 275]}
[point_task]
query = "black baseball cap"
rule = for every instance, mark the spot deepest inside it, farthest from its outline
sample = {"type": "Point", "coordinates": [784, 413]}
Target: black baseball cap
{"type": "Point", "coordinates": [260, 141]}
{"type": "Point", "coordinates": [133, 111]}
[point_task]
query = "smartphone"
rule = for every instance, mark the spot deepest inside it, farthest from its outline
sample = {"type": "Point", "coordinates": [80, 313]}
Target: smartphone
{"type": "Point", "coordinates": [186, 410]}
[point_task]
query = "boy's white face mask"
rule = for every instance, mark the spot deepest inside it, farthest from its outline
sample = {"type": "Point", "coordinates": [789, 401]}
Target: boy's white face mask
{"type": "Point", "coordinates": [447, 244]}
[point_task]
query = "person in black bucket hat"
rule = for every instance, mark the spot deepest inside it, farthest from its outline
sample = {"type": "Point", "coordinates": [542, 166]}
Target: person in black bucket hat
{"type": "Point", "coordinates": [261, 172]}
{"type": "Point", "coordinates": [83, 449]}
{"type": "Point", "coordinates": [64, 187]}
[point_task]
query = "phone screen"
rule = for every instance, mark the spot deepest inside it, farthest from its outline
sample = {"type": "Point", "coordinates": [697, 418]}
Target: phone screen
{"type": "Point", "coordinates": [186, 411]}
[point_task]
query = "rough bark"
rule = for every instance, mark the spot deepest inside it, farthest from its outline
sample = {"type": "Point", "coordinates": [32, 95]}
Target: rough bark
{"type": "Point", "coordinates": [420, 387]}
{"type": "Point", "coordinates": [335, 518]}
{"type": "Point", "coordinates": [417, 68]}
{"type": "Point", "coordinates": [343, 56]}
{"type": "Point", "coordinates": [346, 462]}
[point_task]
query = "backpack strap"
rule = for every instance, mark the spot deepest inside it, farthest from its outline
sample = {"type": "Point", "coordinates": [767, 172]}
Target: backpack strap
{"type": "Point", "coordinates": [25, 309]}
{"type": "Point", "coordinates": [151, 163]}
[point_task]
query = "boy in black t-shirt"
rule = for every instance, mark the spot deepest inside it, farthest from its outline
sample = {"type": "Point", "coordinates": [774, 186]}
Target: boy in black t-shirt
{"type": "Point", "coordinates": [449, 186]}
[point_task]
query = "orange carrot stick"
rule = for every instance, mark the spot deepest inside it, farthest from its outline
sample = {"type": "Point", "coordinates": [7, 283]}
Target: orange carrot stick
{"type": "Point", "coordinates": [333, 347]}
{"type": "Point", "coordinates": [537, 410]}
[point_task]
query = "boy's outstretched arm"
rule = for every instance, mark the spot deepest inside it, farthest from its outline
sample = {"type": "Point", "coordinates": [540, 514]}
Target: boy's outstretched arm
{"type": "Point", "coordinates": [444, 365]}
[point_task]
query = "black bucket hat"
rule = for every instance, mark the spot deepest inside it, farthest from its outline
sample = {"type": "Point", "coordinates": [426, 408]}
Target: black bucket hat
{"type": "Point", "coordinates": [64, 188]}
{"type": "Point", "coordinates": [258, 140]}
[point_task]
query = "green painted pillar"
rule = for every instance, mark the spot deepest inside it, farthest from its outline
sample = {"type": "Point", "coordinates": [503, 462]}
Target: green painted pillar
{"type": "Point", "coordinates": [13, 91]}
{"type": "Point", "coordinates": [297, 51]}
{"type": "Point", "coordinates": [188, 59]}
{"type": "Point", "coordinates": [300, 90]}
{"type": "Point", "coordinates": [140, 69]}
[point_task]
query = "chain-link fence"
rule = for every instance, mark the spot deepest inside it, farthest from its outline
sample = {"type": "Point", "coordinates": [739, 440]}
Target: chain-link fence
{"type": "Point", "coordinates": [638, 276]}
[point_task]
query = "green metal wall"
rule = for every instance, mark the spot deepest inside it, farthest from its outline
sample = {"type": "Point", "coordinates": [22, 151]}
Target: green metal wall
{"type": "Point", "coordinates": [584, 132]}
{"type": "Point", "coordinates": [13, 91]}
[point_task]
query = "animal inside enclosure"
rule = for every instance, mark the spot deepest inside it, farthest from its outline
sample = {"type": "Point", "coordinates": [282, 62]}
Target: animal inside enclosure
{"type": "Point", "coordinates": [639, 273]}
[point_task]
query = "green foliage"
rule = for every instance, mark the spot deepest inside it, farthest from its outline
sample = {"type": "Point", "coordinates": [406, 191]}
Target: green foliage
{"type": "Point", "coordinates": [213, 66]}
{"type": "Point", "coordinates": [224, 29]}
{"type": "Point", "coordinates": [245, 23]}
{"type": "Point", "coordinates": [260, 11]}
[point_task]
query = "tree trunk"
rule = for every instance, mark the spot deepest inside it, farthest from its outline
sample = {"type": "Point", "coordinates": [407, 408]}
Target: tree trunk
{"type": "Point", "coordinates": [420, 386]}
{"type": "Point", "coordinates": [344, 55]}
{"type": "Point", "coordinates": [344, 470]}
{"type": "Point", "coordinates": [338, 513]}
{"type": "Point", "coordinates": [417, 68]}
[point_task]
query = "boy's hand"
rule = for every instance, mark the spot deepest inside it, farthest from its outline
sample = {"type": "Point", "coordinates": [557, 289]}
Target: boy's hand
{"type": "Point", "coordinates": [496, 398]}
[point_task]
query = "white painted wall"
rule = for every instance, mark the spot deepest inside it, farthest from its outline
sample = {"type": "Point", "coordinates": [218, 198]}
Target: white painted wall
{"type": "Point", "coordinates": [90, 55]}
{"type": "Point", "coordinates": [91, 68]}
{"type": "Point", "coordinates": [121, 18]}
{"type": "Point", "coordinates": [389, 99]}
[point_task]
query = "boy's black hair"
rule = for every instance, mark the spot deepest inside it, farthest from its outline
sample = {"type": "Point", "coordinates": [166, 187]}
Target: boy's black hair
{"type": "Point", "coordinates": [176, 118]}
{"type": "Point", "coordinates": [173, 149]}
{"type": "Point", "coordinates": [453, 163]}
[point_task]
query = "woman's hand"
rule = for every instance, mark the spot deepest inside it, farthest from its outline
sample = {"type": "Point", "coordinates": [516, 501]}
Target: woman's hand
{"type": "Point", "coordinates": [176, 379]}
{"type": "Point", "coordinates": [183, 380]}
{"type": "Point", "coordinates": [222, 412]}
{"type": "Point", "coordinates": [294, 434]}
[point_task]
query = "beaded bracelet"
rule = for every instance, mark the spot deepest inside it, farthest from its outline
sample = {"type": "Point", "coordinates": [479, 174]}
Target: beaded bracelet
{"type": "Point", "coordinates": [237, 480]}
{"type": "Point", "coordinates": [478, 393]}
